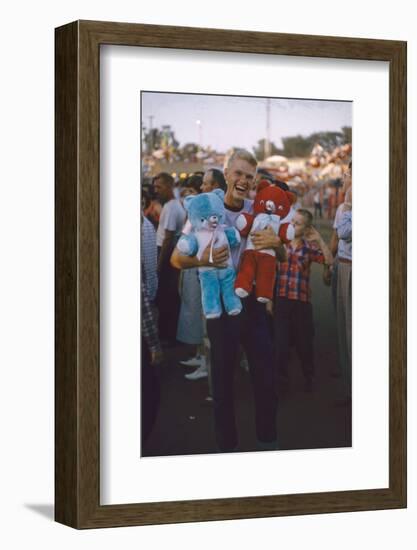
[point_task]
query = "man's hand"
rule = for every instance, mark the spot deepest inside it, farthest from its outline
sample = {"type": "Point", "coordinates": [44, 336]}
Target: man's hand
{"type": "Point", "coordinates": [220, 256]}
{"type": "Point", "coordinates": [157, 357]}
{"type": "Point", "coordinates": [327, 275]}
{"type": "Point", "coordinates": [265, 239]}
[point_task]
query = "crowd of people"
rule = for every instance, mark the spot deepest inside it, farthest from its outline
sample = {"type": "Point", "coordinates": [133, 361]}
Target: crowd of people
{"type": "Point", "coordinates": [260, 336]}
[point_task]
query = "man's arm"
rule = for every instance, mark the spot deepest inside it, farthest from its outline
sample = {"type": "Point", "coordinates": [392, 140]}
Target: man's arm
{"type": "Point", "coordinates": [181, 261]}
{"type": "Point", "coordinates": [166, 248]}
{"type": "Point", "coordinates": [334, 240]}
{"type": "Point", "coordinates": [220, 256]}
{"type": "Point", "coordinates": [266, 238]}
{"type": "Point", "coordinates": [334, 243]}
{"type": "Point", "coordinates": [344, 228]}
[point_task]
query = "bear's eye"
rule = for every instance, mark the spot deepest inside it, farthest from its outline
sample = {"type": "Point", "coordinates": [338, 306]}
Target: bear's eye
{"type": "Point", "coordinates": [202, 219]}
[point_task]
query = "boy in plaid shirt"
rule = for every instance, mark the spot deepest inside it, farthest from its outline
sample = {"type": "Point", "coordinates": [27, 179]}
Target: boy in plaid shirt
{"type": "Point", "coordinates": [293, 315]}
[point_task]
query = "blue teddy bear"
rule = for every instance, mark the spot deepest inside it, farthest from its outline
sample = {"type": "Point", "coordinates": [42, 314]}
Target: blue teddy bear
{"type": "Point", "coordinates": [206, 214]}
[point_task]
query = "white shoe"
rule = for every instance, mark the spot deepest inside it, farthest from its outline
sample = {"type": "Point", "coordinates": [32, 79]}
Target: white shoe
{"type": "Point", "coordinates": [193, 362]}
{"type": "Point", "coordinates": [201, 372]}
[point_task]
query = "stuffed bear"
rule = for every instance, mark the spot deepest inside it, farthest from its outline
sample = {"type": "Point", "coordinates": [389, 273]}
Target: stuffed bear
{"type": "Point", "coordinates": [206, 214]}
{"type": "Point", "coordinates": [271, 205]}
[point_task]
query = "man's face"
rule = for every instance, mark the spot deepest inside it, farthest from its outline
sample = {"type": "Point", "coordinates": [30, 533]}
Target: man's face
{"type": "Point", "coordinates": [240, 176]}
{"type": "Point", "coordinates": [208, 183]}
{"type": "Point", "coordinates": [162, 190]}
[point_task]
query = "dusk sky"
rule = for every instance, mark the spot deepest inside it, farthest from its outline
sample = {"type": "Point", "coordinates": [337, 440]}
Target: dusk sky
{"type": "Point", "coordinates": [228, 121]}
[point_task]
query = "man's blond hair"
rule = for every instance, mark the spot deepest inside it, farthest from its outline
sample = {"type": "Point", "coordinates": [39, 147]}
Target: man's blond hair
{"type": "Point", "coordinates": [241, 154]}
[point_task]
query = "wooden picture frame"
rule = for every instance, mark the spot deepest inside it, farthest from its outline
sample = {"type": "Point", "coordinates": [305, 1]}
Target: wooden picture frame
{"type": "Point", "coordinates": [77, 372]}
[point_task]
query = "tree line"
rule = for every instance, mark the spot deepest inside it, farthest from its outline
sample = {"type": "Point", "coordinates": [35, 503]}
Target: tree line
{"type": "Point", "coordinates": [301, 146]}
{"type": "Point", "coordinates": [293, 146]}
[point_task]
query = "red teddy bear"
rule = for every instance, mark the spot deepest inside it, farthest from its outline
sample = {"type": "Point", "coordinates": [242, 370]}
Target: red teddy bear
{"type": "Point", "coordinates": [272, 204]}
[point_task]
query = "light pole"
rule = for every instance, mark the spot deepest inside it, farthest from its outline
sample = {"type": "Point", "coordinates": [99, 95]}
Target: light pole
{"type": "Point", "coordinates": [200, 131]}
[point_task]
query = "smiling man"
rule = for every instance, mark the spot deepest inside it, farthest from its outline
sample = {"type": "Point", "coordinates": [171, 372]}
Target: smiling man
{"type": "Point", "coordinates": [249, 329]}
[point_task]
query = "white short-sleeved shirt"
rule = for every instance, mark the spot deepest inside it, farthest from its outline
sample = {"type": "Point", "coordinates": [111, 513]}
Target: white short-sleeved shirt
{"type": "Point", "coordinates": [344, 249]}
{"type": "Point", "coordinates": [172, 219]}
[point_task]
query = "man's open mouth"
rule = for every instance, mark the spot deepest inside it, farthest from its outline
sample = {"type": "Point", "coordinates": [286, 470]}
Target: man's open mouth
{"type": "Point", "coordinates": [240, 188]}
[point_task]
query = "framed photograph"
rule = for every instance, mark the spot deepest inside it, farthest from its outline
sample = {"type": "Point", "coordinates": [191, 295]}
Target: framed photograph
{"type": "Point", "coordinates": [222, 350]}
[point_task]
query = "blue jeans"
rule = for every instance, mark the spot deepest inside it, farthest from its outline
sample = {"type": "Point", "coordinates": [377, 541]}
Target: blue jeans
{"type": "Point", "coordinates": [249, 329]}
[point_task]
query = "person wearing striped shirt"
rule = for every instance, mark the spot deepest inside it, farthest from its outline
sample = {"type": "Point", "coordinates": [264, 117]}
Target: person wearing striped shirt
{"type": "Point", "coordinates": [151, 355]}
{"type": "Point", "coordinates": [149, 257]}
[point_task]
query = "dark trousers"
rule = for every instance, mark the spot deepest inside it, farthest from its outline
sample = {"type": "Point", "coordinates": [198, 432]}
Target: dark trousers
{"type": "Point", "coordinates": [293, 322]}
{"type": "Point", "coordinates": [226, 334]}
{"type": "Point", "coordinates": [150, 394]}
{"type": "Point", "coordinates": [168, 301]}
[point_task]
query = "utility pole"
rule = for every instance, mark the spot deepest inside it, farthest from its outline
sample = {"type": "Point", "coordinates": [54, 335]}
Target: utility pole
{"type": "Point", "coordinates": [200, 134]}
{"type": "Point", "coordinates": [267, 143]}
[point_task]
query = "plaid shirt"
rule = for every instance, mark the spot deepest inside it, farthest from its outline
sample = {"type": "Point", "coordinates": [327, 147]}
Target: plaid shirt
{"type": "Point", "coordinates": [293, 276]}
{"type": "Point", "coordinates": [149, 327]}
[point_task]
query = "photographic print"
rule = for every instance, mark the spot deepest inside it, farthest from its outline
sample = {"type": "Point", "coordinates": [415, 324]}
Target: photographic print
{"type": "Point", "coordinates": [224, 371]}
{"type": "Point", "coordinates": [246, 273]}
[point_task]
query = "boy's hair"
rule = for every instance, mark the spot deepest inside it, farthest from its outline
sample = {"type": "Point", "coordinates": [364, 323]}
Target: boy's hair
{"type": "Point", "coordinates": [194, 182]}
{"type": "Point", "coordinates": [241, 154]}
{"type": "Point", "coordinates": [307, 215]}
{"type": "Point", "coordinates": [283, 186]}
{"type": "Point", "coordinates": [265, 174]}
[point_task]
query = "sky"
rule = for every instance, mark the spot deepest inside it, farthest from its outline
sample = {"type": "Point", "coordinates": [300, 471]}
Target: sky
{"type": "Point", "coordinates": [228, 121]}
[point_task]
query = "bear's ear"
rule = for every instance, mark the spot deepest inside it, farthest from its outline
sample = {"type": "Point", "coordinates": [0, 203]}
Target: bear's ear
{"type": "Point", "coordinates": [219, 193]}
{"type": "Point", "coordinates": [263, 184]}
{"type": "Point", "coordinates": [292, 197]}
{"type": "Point", "coordinates": [187, 201]}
